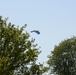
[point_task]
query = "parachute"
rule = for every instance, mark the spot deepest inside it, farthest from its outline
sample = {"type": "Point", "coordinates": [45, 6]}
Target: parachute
{"type": "Point", "coordinates": [36, 31]}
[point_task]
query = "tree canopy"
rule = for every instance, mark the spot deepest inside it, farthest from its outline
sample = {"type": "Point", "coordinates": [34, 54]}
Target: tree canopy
{"type": "Point", "coordinates": [62, 60]}
{"type": "Point", "coordinates": [17, 51]}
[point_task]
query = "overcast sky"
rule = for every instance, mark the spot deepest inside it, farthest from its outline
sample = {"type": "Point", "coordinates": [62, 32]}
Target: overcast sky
{"type": "Point", "coordinates": [55, 19]}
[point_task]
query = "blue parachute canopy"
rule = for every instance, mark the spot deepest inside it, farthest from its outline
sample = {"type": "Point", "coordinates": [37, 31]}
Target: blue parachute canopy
{"type": "Point", "coordinates": [36, 31]}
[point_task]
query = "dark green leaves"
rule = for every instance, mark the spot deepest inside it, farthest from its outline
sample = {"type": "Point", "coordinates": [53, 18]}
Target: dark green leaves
{"type": "Point", "coordinates": [63, 58]}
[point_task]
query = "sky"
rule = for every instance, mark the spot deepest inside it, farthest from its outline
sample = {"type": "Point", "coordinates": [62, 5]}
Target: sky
{"type": "Point", "coordinates": [55, 19]}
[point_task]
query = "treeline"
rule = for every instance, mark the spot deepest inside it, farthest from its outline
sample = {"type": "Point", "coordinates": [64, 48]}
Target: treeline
{"type": "Point", "coordinates": [18, 54]}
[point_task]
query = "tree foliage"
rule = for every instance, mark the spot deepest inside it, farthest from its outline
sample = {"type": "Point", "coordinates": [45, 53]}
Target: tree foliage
{"type": "Point", "coordinates": [17, 51]}
{"type": "Point", "coordinates": [63, 58]}
{"type": "Point", "coordinates": [38, 69]}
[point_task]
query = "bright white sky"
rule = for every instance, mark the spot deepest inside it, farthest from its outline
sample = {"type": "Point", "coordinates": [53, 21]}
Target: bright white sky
{"type": "Point", "coordinates": [55, 19]}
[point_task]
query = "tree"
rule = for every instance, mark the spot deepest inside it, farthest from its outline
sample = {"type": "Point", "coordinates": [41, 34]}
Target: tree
{"type": "Point", "coordinates": [17, 51]}
{"type": "Point", "coordinates": [62, 60]}
{"type": "Point", "coordinates": [38, 69]}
